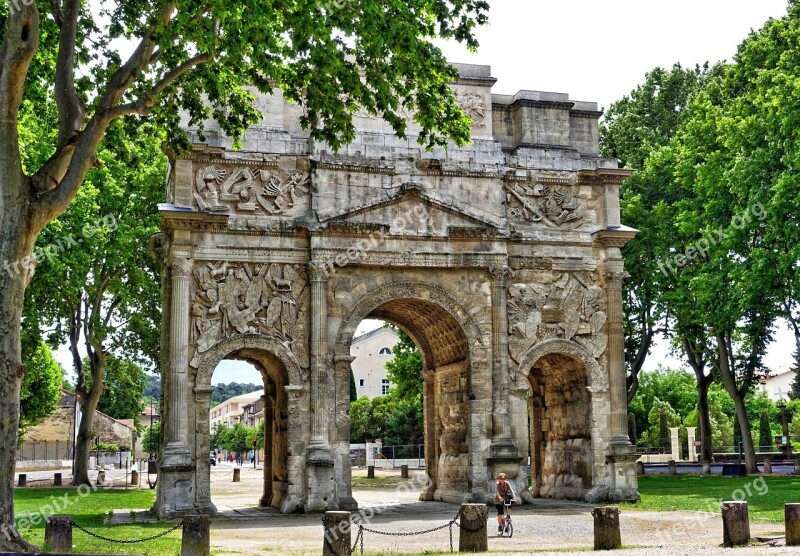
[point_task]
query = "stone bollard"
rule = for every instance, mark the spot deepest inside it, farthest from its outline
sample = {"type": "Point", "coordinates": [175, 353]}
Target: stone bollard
{"type": "Point", "coordinates": [57, 479]}
{"type": "Point", "coordinates": [196, 538]}
{"type": "Point", "coordinates": [404, 472]}
{"type": "Point", "coordinates": [472, 534]}
{"type": "Point", "coordinates": [735, 524]}
{"type": "Point", "coordinates": [706, 468]}
{"type": "Point", "coordinates": [23, 480]}
{"type": "Point", "coordinates": [371, 472]}
{"type": "Point", "coordinates": [792, 515]}
{"type": "Point", "coordinates": [797, 467]}
{"type": "Point", "coordinates": [135, 478]}
{"type": "Point", "coordinates": [673, 469]}
{"type": "Point", "coordinates": [58, 534]}
{"type": "Point", "coordinates": [101, 478]}
{"type": "Point", "coordinates": [237, 475]}
{"type": "Point", "coordinates": [606, 528]}
{"type": "Point", "coordinates": [639, 468]}
{"type": "Point", "coordinates": [336, 537]}
{"type": "Point", "coordinates": [767, 467]}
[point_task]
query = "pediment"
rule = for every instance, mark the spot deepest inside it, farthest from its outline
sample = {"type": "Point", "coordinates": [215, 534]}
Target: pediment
{"type": "Point", "coordinates": [410, 211]}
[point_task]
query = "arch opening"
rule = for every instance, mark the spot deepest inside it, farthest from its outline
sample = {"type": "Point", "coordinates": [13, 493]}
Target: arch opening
{"type": "Point", "coordinates": [559, 410]}
{"type": "Point", "coordinates": [445, 353]}
{"type": "Point", "coordinates": [263, 413]}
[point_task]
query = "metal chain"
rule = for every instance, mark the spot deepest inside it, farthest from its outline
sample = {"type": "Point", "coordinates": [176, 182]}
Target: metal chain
{"type": "Point", "coordinates": [120, 541]}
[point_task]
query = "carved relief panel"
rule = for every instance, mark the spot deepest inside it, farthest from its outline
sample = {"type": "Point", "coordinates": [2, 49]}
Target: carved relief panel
{"type": "Point", "coordinates": [548, 199]}
{"type": "Point", "coordinates": [558, 304]}
{"type": "Point", "coordinates": [242, 298]}
{"type": "Point", "coordinates": [251, 190]}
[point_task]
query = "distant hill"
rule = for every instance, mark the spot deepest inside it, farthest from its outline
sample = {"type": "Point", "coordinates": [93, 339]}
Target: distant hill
{"type": "Point", "coordinates": [221, 391]}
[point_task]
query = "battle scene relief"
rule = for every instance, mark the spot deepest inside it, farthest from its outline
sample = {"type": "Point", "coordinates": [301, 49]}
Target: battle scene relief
{"type": "Point", "coordinates": [256, 191]}
{"type": "Point", "coordinates": [244, 298]}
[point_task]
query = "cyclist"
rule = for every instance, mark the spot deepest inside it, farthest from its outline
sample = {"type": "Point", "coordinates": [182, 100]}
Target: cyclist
{"type": "Point", "coordinates": [503, 492]}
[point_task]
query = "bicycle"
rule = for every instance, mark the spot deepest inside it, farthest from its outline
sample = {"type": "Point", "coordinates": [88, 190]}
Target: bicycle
{"type": "Point", "coordinates": [508, 527]}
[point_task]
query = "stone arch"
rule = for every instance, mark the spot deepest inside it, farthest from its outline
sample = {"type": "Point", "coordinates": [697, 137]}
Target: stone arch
{"type": "Point", "coordinates": [561, 378]}
{"type": "Point", "coordinates": [416, 291]}
{"type": "Point", "coordinates": [283, 377]}
{"type": "Point", "coordinates": [596, 373]}
{"type": "Point", "coordinates": [209, 360]}
{"type": "Point", "coordinates": [456, 372]}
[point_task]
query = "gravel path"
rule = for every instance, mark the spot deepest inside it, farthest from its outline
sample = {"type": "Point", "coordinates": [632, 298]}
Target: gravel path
{"type": "Point", "coordinates": [547, 527]}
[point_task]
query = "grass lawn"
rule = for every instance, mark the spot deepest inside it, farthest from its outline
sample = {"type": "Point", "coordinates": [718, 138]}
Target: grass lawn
{"type": "Point", "coordinates": [89, 511]}
{"type": "Point", "coordinates": [765, 495]}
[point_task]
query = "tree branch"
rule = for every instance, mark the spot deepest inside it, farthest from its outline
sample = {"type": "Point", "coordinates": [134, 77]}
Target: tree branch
{"type": "Point", "coordinates": [20, 43]}
{"type": "Point", "coordinates": [145, 103]}
{"type": "Point", "coordinates": [71, 111]}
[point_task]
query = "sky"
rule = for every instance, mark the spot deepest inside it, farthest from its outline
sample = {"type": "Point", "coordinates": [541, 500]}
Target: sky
{"type": "Point", "coordinates": [597, 51]}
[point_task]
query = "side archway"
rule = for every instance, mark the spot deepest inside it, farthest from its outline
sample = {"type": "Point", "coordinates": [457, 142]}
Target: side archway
{"type": "Point", "coordinates": [284, 418]}
{"type": "Point", "coordinates": [561, 377]}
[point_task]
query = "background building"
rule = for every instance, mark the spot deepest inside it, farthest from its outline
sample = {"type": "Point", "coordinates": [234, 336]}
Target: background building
{"type": "Point", "coordinates": [231, 411]}
{"type": "Point", "coordinates": [372, 351]}
{"type": "Point", "coordinates": [778, 384]}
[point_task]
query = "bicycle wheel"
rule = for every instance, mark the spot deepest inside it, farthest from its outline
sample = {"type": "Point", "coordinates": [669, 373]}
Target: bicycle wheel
{"type": "Point", "coordinates": [510, 529]}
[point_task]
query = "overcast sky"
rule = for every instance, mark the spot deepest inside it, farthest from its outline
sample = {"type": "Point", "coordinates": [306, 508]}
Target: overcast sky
{"type": "Point", "coordinates": [597, 50]}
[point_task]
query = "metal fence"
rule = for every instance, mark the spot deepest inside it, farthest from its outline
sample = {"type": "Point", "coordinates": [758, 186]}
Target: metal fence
{"type": "Point", "coordinates": [45, 451]}
{"type": "Point", "coordinates": [403, 455]}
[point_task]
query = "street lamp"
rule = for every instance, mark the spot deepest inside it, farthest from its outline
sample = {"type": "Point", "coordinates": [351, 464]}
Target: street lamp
{"type": "Point", "coordinates": [255, 441]}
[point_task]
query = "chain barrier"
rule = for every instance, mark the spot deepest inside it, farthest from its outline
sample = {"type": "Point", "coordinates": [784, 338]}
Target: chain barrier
{"type": "Point", "coordinates": [122, 541]}
{"type": "Point", "coordinates": [359, 540]}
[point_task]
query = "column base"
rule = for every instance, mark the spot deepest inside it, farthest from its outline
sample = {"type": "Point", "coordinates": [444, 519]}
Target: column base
{"type": "Point", "coordinates": [176, 455]}
{"type": "Point", "coordinates": [503, 448]}
{"type": "Point", "coordinates": [320, 455]}
{"type": "Point", "coordinates": [175, 496]}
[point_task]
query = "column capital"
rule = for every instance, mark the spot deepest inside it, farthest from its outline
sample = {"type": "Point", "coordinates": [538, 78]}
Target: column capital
{"type": "Point", "coordinates": [182, 264]}
{"type": "Point", "coordinates": [316, 272]}
{"type": "Point", "coordinates": [500, 274]}
{"type": "Point", "coordinates": [615, 278]}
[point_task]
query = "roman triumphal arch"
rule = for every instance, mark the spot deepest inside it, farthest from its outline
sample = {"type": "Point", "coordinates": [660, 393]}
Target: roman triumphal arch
{"type": "Point", "coordinates": [501, 260]}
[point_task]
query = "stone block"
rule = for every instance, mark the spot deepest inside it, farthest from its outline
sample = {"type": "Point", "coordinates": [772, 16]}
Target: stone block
{"type": "Point", "coordinates": [472, 533]}
{"type": "Point", "coordinates": [196, 535]}
{"type": "Point", "coordinates": [58, 534]}
{"type": "Point", "coordinates": [735, 524]}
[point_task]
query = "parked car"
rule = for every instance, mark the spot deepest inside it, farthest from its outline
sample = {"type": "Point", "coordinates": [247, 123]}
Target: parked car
{"type": "Point", "coordinates": [213, 459]}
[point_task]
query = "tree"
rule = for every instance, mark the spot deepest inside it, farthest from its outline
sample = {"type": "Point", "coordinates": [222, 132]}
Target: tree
{"type": "Point", "coordinates": [41, 387]}
{"type": "Point", "coordinates": [765, 432]}
{"type": "Point", "coordinates": [123, 395]}
{"type": "Point", "coordinates": [102, 293]}
{"type": "Point", "coordinates": [198, 61]}
{"type": "Point", "coordinates": [150, 437]}
{"type": "Point", "coordinates": [405, 368]}
{"type": "Point", "coordinates": [353, 391]}
{"type": "Point", "coordinates": [633, 129]}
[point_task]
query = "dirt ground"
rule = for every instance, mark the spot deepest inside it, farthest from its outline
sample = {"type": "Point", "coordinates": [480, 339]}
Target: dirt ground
{"type": "Point", "coordinates": [543, 528]}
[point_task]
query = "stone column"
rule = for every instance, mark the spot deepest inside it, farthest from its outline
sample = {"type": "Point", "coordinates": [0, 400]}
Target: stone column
{"type": "Point", "coordinates": [344, 492]}
{"type": "Point", "coordinates": [269, 422]}
{"type": "Point", "coordinates": [319, 450]}
{"type": "Point", "coordinates": [676, 443]}
{"type": "Point", "coordinates": [502, 443]}
{"type": "Point", "coordinates": [617, 387]}
{"type": "Point", "coordinates": [176, 452]}
{"type": "Point", "coordinates": [690, 431]}
{"type": "Point", "coordinates": [430, 419]}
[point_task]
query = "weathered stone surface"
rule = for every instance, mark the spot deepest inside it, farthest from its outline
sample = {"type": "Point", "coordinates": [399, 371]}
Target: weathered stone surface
{"type": "Point", "coordinates": [472, 533]}
{"type": "Point", "coordinates": [606, 528]}
{"type": "Point", "coordinates": [237, 475]}
{"type": "Point", "coordinates": [336, 529]}
{"type": "Point", "coordinates": [735, 524]}
{"type": "Point", "coordinates": [501, 259]}
{"type": "Point", "coordinates": [196, 536]}
{"type": "Point", "coordinates": [58, 534]}
{"type": "Point", "coordinates": [767, 467]}
{"type": "Point", "coordinates": [792, 523]}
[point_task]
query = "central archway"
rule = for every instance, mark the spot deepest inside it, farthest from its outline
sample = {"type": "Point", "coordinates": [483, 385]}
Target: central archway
{"type": "Point", "coordinates": [450, 343]}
